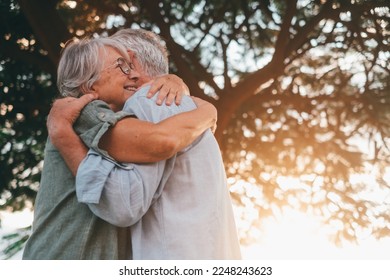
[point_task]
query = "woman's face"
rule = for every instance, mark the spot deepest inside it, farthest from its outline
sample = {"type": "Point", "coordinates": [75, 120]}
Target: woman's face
{"type": "Point", "coordinates": [114, 87]}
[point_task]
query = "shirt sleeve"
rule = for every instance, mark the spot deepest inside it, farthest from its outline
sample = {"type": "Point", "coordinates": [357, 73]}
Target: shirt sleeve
{"type": "Point", "coordinates": [146, 109]}
{"type": "Point", "coordinates": [118, 194]}
{"type": "Point", "coordinates": [95, 119]}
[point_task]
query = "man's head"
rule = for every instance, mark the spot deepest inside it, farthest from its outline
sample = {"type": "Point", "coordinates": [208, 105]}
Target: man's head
{"type": "Point", "coordinates": [96, 66]}
{"type": "Point", "coordinates": [148, 49]}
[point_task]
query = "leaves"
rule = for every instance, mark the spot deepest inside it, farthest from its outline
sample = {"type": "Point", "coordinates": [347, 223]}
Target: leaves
{"type": "Point", "coordinates": [14, 242]}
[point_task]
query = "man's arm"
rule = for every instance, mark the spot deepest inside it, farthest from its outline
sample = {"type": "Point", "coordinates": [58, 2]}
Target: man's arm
{"type": "Point", "coordinates": [64, 137]}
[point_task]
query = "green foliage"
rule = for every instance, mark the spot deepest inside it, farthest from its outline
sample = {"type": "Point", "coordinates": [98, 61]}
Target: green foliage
{"type": "Point", "coordinates": [14, 242]}
{"type": "Point", "coordinates": [26, 91]}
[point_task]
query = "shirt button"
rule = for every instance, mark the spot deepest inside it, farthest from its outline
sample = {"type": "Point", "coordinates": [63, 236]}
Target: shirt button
{"type": "Point", "coordinates": [102, 115]}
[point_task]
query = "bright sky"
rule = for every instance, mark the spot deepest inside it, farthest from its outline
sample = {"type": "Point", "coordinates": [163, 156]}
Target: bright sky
{"type": "Point", "coordinates": [294, 236]}
{"type": "Point", "coordinates": [299, 236]}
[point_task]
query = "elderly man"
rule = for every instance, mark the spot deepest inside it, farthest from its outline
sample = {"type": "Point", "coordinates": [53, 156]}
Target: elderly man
{"type": "Point", "coordinates": [178, 208]}
{"type": "Point", "coordinates": [63, 228]}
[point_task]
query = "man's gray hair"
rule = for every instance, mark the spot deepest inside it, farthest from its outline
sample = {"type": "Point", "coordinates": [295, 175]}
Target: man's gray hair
{"type": "Point", "coordinates": [148, 47]}
{"type": "Point", "coordinates": [81, 64]}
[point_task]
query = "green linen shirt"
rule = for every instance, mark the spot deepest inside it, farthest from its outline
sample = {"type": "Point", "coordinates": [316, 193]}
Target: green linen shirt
{"type": "Point", "coordinates": [63, 228]}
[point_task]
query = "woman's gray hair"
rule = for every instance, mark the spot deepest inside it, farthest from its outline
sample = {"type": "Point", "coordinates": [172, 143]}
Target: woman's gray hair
{"type": "Point", "coordinates": [81, 64]}
{"type": "Point", "coordinates": [148, 47]}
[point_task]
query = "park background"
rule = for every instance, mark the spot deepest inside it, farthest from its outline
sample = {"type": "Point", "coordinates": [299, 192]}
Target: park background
{"type": "Point", "coordinates": [302, 92]}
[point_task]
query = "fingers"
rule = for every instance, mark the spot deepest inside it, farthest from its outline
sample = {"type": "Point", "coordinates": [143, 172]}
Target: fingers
{"type": "Point", "coordinates": [186, 90]}
{"type": "Point", "coordinates": [84, 100]}
{"type": "Point", "coordinates": [171, 97]}
{"type": "Point", "coordinates": [76, 105]}
{"type": "Point", "coordinates": [154, 88]}
{"type": "Point", "coordinates": [167, 93]}
{"type": "Point", "coordinates": [162, 86]}
{"type": "Point", "coordinates": [72, 104]}
{"type": "Point", "coordinates": [178, 99]}
{"type": "Point", "coordinates": [68, 108]}
{"type": "Point", "coordinates": [162, 94]}
{"type": "Point", "coordinates": [169, 87]}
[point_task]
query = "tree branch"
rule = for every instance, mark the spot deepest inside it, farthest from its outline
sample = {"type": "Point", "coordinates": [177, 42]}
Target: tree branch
{"type": "Point", "coordinates": [302, 35]}
{"type": "Point", "coordinates": [283, 39]}
{"type": "Point", "coordinates": [152, 7]}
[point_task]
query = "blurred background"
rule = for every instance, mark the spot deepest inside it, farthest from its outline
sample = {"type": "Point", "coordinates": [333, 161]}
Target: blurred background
{"type": "Point", "coordinates": [302, 92]}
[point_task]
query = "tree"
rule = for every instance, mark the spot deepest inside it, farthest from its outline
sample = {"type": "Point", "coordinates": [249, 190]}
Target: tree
{"type": "Point", "coordinates": [299, 86]}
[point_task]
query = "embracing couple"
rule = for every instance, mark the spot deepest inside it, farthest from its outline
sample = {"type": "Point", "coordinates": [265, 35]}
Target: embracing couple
{"type": "Point", "coordinates": [132, 169]}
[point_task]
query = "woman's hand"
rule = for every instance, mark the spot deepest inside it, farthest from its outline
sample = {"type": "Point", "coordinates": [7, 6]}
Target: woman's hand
{"type": "Point", "coordinates": [169, 87]}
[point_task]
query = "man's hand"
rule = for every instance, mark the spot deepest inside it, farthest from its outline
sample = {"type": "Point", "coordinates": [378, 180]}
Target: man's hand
{"type": "Point", "coordinates": [64, 113]}
{"type": "Point", "coordinates": [170, 87]}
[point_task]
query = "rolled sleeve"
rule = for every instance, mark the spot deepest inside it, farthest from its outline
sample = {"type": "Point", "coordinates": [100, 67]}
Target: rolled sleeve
{"type": "Point", "coordinates": [117, 193]}
{"type": "Point", "coordinates": [95, 119]}
{"type": "Point", "coordinates": [92, 175]}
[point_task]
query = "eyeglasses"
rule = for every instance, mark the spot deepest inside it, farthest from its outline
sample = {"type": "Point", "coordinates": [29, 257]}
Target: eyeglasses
{"type": "Point", "coordinates": [125, 66]}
